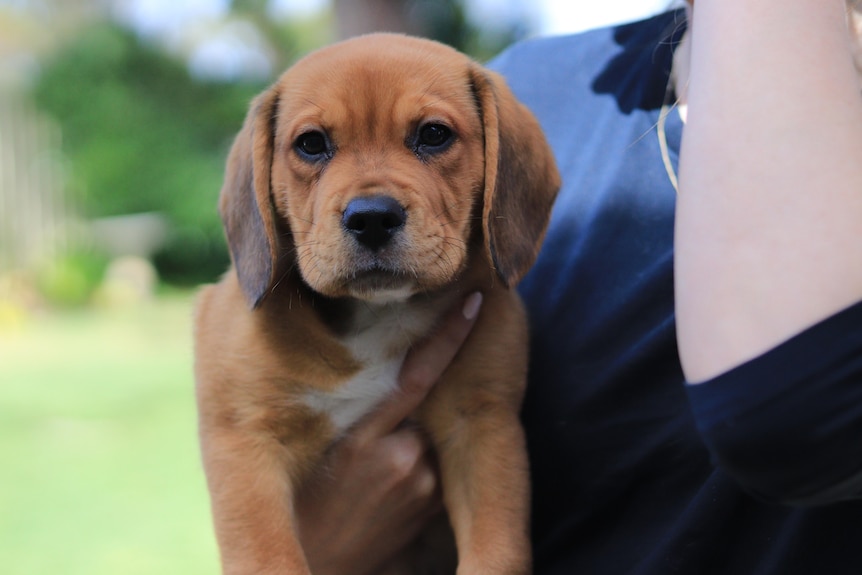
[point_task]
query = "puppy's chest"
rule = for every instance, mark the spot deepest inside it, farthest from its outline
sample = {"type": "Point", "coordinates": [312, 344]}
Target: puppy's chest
{"type": "Point", "coordinates": [379, 342]}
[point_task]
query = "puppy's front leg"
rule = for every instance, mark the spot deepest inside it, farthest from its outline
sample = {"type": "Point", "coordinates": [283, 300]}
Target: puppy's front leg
{"type": "Point", "coordinates": [472, 417]}
{"type": "Point", "coordinates": [485, 486]}
{"type": "Point", "coordinates": [251, 490]}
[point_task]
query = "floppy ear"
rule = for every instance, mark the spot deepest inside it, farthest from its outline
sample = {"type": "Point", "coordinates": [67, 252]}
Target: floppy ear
{"type": "Point", "coordinates": [245, 204]}
{"type": "Point", "coordinates": [521, 178]}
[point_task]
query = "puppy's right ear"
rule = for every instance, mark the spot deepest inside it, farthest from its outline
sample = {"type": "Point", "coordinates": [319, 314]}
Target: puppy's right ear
{"type": "Point", "coordinates": [245, 204]}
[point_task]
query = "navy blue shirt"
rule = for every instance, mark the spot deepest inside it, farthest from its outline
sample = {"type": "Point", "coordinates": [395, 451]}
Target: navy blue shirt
{"type": "Point", "coordinates": [633, 471]}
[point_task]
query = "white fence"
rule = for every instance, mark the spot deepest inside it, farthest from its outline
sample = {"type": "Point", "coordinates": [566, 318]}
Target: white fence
{"type": "Point", "coordinates": [35, 218]}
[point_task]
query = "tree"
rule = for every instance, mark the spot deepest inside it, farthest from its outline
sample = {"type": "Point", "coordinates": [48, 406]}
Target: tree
{"type": "Point", "coordinates": [141, 135]}
{"type": "Point", "coordinates": [442, 20]}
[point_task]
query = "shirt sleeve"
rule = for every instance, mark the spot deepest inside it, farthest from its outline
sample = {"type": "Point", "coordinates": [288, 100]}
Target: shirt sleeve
{"type": "Point", "coordinates": [787, 425]}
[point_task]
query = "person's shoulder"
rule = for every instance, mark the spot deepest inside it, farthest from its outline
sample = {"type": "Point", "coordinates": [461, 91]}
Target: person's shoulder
{"type": "Point", "coordinates": [550, 53]}
{"type": "Point", "coordinates": [584, 49]}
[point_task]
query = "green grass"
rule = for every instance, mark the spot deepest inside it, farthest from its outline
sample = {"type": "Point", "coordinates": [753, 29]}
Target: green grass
{"type": "Point", "coordinates": [99, 466]}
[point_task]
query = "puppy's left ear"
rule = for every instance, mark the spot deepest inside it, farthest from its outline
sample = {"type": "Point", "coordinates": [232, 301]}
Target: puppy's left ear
{"type": "Point", "coordinates": [521, 178]}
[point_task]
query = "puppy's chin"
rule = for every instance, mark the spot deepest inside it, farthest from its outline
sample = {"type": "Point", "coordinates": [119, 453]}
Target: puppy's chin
{"type": "Point", "coordinates": [380, 286]}
{"type": "Point", "coordinates": [376, 285]}
{"type": "Point", "coordinates": [386, 296]}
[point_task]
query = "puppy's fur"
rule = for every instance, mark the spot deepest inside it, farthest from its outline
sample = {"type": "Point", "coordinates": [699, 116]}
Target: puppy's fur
{"type": "Point", "coordinates": [372, 187]}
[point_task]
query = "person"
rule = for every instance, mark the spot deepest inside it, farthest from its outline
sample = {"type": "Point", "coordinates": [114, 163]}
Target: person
{"type": "Point", "coordinates": [695, 396]}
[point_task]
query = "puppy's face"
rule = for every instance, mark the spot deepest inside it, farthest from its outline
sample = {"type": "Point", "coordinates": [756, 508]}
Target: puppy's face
{"type": "Point", "coordinates": [373, 166]}
{"type": "Point", "coordinates": [378, 166]}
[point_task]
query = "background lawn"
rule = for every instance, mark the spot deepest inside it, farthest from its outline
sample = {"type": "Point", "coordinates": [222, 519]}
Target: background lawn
{"type": "Point", "coordinates": [100, 471]}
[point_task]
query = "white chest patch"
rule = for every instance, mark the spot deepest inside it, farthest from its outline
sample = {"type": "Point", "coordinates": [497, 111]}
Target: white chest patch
{"type": "Point", "coordinates": [385, 328]}
{"type": "Point", "coordinates": [359, 396]}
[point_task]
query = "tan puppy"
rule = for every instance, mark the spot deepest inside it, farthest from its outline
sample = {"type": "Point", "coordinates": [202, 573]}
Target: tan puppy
{"type": "Point", "coordinates": [376, 183]}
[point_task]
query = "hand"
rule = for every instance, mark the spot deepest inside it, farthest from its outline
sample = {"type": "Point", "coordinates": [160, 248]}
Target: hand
{"type": "Point", "coordinates": [380, 487]}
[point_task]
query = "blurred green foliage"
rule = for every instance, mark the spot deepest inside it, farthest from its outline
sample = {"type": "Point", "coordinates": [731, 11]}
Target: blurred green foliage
{"type": "Point", "coordinates": [71, 279]}
{"type": "Point", "coordinates": [141, 135]}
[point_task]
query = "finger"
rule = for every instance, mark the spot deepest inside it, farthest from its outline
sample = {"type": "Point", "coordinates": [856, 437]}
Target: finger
{"type": "Point", "coordinates": [423, 367]}
{"type": "Point", "coordinates": [404, 451]}
{"type": "Point", "coordinates": [411, 477]}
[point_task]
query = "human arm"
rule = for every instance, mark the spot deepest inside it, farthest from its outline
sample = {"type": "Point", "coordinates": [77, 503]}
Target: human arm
{"type": "Point", "coordinates": [768, 246]}
{"type": "Point", "coordinates": [381, 486]}
{"type": "Point", "coordinates": [769, 218]}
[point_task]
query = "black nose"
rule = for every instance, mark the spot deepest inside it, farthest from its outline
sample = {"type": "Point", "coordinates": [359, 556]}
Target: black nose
{"type": "Point", "coordinates": [373, 220]}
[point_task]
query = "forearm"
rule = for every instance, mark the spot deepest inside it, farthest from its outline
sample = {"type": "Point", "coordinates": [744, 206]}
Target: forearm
{"type": "Point", "coordinates": [769, 220]}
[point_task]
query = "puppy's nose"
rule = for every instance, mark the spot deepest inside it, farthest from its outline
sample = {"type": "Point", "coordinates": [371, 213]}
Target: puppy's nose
{"type": "Point", "coordinates": [373, 220]}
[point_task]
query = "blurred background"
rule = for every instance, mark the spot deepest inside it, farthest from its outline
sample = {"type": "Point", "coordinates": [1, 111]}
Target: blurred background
{"type": "Point", "coordinates": [115, 120]}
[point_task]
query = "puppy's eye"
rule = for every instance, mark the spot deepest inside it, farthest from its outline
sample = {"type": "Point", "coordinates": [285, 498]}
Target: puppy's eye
{"type": "Point", "coordinates": [434, 136]}
{"type": "Point", "coordinates": [312, 145]}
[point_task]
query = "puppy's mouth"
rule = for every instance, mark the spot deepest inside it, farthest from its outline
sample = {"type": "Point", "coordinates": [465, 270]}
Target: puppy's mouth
{"type": "Point", "coordinates": [377, 255]}
{"type": "Point", "coordinates": [377, 283]}
{"type": "Point", "coordinates": [374, 226]}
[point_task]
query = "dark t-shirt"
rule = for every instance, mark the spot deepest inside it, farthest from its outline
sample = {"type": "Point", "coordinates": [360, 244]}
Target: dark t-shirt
{"type": "Point", "coordinates": [633, 471]}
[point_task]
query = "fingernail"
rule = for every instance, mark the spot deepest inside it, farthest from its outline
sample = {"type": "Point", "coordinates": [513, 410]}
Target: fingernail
{"type": "Point", "coordinates": [472, 305]}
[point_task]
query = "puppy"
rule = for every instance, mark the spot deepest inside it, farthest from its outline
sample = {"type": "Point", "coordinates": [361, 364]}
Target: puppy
{"type": "Point", "coordinates": [376, 183]}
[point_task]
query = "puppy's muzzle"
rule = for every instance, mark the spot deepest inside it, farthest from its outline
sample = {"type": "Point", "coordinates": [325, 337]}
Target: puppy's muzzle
{"type": "Point", "coordinates": [373, 220]}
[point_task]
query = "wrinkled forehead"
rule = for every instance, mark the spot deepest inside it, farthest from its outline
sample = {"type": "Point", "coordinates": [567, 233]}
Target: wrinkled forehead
{"type": "Point", "coordinates": [382, 77]}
